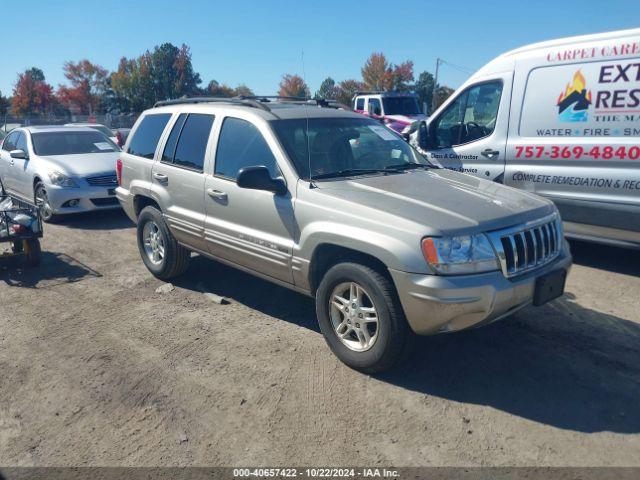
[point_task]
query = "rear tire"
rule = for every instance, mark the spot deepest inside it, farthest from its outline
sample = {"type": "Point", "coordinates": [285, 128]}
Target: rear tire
{"type": "Point", "coordinates": [372, 350]}
{"type": "Point", "coordinates": [32, 252]}
{"type": "Point", "coordinates": [163, 256]}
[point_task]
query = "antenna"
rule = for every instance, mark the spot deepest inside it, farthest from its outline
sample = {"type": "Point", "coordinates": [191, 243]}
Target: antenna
{"type": "Point", "coordinates": [306, 112]}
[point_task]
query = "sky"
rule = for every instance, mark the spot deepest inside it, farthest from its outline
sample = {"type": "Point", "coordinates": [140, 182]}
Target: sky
{"type": "Point", "coordinates": [256, 42]}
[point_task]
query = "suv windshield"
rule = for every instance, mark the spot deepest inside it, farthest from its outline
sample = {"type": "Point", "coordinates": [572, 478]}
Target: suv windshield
{"type": "Point", "coordinates": [71, 143]}
{"type": "Point", "coordinates": [401, 106]}
{"type": "Point", "coordinates": [343, 146]}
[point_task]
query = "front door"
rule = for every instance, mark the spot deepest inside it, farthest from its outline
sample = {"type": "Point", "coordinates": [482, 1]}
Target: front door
{"type": "Point", "coordinates": [6, 161]}
{"type": "Point", "coordinates": [20, 181]}
{"type": "Point", "coordinates": [470, 134]}
{"type": "Point", "coordinates": [178, 177]}
{"type": "Point", "coordinates": [251, 228]}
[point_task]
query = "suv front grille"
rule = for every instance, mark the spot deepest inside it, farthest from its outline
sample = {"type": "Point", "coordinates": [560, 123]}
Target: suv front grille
{"type": "Point", "coordinates": [526, 247]}
{"type": "Point", "coordinates": [104, 181]}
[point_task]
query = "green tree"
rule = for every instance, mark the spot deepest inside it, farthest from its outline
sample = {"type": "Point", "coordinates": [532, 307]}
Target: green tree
{"type": "Point", "coordinates": [242, 89]}
{"type": "Point", "coordinates": [441, 94]}
{"type": "Point", "coordinates": [327, 90]}
{"type": "Point", "coordinates": [424, 88]}
{"type": "Point", "coordinates": [4, 104]}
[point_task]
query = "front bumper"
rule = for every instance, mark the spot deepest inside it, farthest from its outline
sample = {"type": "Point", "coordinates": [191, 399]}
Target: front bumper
{"type": "Point", "coordinates": [89, 199]}
{"type": "Point", "coordinates": [434, 304]}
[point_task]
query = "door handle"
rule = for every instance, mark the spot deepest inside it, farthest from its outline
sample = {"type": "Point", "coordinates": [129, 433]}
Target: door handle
{"type": "Point", "coordinates": [160, 177]}
{"type": "Point", "coordinates": [217, 194]}
{"type": "Point", "coordinates": [489, 153]}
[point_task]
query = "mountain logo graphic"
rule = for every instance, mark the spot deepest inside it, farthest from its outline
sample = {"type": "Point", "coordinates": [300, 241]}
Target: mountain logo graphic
{"type": "Point", "coordinates": [574, 102]}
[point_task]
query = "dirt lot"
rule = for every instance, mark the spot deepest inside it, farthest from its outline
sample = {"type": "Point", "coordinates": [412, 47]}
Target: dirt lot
{"type": "Point", "coordinates": [98, 369]}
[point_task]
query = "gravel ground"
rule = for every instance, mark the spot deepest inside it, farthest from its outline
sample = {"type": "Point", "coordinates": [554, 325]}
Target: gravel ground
{"type": "Point", "coordinates": [99, 369]}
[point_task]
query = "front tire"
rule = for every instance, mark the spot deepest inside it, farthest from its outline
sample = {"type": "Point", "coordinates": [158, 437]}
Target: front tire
{"type": "Point", "coordinates": [361, 318]}
{"type": "Point", "coordinates": [42, 200]}
{"type": "Point", "coordinates": [160, 251]}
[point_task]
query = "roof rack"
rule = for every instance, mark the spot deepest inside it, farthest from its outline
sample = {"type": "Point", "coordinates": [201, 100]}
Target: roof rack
{"type": "Point", "coordinates": [250, 102]}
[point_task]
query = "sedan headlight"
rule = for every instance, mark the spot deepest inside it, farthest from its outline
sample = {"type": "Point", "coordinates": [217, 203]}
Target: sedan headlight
{"type": "Point", "coordinates": [461, 254]}
{"type": "Point", "coordinates": [61, 180]}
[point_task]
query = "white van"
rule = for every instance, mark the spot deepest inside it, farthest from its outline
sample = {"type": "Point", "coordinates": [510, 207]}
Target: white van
{"type": "Point", "coordinates": [558, 118]}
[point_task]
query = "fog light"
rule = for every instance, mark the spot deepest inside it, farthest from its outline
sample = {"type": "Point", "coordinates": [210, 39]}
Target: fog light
{"type": "Point", "coordinates": [71, 203]}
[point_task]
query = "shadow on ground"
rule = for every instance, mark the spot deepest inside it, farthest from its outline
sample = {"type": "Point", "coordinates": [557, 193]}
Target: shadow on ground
{"type": "Point", "coordinates": [613, 259]}
{"type": "Point", "coordinates": [561, 364]}
{"type": "Point", "coordinates": [97, 220]}
{"type": "Point", "coordinates": [55, 269]}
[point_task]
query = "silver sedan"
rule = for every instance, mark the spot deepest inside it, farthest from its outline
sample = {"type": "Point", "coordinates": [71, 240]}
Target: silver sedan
{"type": "Point", "coordinates": [63, 169]}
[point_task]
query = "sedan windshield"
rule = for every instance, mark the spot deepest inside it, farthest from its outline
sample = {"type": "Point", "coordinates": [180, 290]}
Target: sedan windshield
{"type": "Point", "coordinates": [71, 143]}
{"type": "Point", "coordinates": [102, 129]}
{"type": "Point", "coordinates": [335, 147]}
{"type": "Point", "coordinates": [401, 106]}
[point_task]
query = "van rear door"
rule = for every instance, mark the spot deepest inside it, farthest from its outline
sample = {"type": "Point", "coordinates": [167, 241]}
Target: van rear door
{"type": "Point", "coordinates": [470, 134]}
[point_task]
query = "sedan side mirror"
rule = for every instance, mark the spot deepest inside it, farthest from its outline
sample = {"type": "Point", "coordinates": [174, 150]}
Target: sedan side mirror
{"type": "Point", "coordinates": [259, 178]}
{"type": "Point", "coordinates": [20, 154]}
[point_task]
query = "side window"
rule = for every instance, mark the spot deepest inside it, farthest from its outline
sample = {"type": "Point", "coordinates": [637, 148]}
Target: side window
{"type": "Point", "coordinates": [10, 142]}
{"type": "Point", "coordinates": [242, 145]}
{"type": "Point", "coordinates": [447, 126]}
{"type": "Point", "coordinates": [374, 106]}
{"type": "Point", "coordinates": [470, 117]}
{"type": "Point", "coordinates": [145, 138]}
{"type": "Point", "coordinates": [172, 141]}
{"type": "Point", "coordinates": [21, 143]}
{"type": "Point", "coordinates": [192, 144]}
{"type": "Point", "coordinates": [360, 103]}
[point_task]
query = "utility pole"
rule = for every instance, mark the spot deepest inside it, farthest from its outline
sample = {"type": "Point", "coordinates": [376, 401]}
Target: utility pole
{"type": "Point", "coordinates": [435, 86]}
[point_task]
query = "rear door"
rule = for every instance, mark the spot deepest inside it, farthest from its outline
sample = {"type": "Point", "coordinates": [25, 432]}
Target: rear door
{"type": "Point", "coordinates": [575, 139]}
{"type": "Point", "coordinates": [178, 177]}
{"type": "Point", "coordinates": [470, 134]}
{"type": "Point", "coordinates": [251, 228]}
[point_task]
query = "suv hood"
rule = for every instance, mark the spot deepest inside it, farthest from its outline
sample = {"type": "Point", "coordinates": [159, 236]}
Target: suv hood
{"type": "Point", "coordinates": [441, 200]}
{"type": "Point", "coordinates": [84, 165]}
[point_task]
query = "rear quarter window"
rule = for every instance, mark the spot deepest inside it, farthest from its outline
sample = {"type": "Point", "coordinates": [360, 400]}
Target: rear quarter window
{"type": "Point", "coordinates": [146, 136]}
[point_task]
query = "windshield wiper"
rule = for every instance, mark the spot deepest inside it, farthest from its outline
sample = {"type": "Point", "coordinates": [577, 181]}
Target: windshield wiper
{"type": "Point", "coordinates": [355, 171]}
{"type": "Point", "coordinates": [409, 166]}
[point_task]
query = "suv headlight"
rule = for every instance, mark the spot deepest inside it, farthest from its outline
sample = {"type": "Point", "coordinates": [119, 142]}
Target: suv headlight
{"type": "Point", "coordinates": [61, 180]}
{"type": "Point", "coordinates": [460, 254]}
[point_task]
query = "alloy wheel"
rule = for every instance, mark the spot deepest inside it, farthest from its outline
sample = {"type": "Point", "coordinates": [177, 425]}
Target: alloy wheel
{"type": "Point", "coordinates": [153, 242]}
{"type": "Point", "coordinates": [353, 316]}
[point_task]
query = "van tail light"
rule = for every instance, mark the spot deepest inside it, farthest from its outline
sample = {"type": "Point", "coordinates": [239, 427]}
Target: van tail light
{"type": "Point", "coordinates": [119, 171]}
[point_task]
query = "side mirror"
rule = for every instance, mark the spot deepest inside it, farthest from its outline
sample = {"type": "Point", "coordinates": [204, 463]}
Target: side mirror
{"type": "Point", "coordinates": [423, 136]}
{"type": "Point", "coordinates": [259, 178]}
{"type": "Point", "coordinates": [20, 154]}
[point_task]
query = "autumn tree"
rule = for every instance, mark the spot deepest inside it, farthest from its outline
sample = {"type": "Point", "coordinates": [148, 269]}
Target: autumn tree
{"type": "Point", "coordinates": [380, 75]}
{"type": "Point", "coordinates": [32, 95]}
{"type": "Point", "coordinates": [242, 89]}
{"type": "Point", "coordinates": [328, 89]}
{"type": "Point", "coordinates": [293, 86]}
{"type": "Point", "coordinates": [346, 89]}
{"type": "Point", "coordinates": [88, 84]}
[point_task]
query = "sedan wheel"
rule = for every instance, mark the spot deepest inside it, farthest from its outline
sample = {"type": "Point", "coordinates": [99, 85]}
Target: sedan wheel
{"type": "Point", "coordinates": [42, 201]}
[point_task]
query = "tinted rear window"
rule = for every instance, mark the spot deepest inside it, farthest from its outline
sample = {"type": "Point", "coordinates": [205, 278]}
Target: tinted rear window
{"type": "Point", "coordinates": [192, 144]}
{"type": "Point", "coordinates": [146, 137]}
{"type": "Point", "coordinates": [71, 143]}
